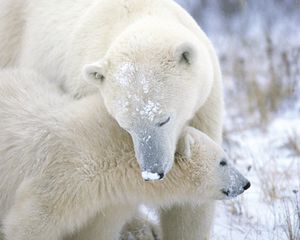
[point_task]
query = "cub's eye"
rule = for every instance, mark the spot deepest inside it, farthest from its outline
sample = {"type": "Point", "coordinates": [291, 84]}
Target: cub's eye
{"type": "Point", "coordinates": [223, 162]}
{"type": "Point", "coordinates": [164, 122]}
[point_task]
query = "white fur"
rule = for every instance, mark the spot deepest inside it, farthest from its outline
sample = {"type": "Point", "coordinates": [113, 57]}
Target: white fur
{"type": "Point", "coordinates": [66, 166]}
{"type": "Point", "coordinates": [60, 37]}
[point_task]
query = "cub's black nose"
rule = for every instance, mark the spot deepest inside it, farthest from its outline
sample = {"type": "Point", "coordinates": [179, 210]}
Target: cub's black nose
{"type": "Point", "coordinates": [247, 186]}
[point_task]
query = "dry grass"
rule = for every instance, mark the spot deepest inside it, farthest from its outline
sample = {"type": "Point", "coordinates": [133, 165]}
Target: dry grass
{"type": "Point", "coordinates": [266, 88]}
{"type": "Point", "coordinates": [268, 179]}
{"type": "Point", "coordinates": [278, 195]}
{"type": "Point", "coordinates": [293, 144]}
{"type": "Point", "coordinates": [291, 218]}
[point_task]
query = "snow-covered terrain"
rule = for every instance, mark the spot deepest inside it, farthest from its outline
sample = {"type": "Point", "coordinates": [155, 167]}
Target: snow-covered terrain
{"type": "Point", "coordinates": [258, 43]}
{"type": "Point", "coordinates": [266, 210]}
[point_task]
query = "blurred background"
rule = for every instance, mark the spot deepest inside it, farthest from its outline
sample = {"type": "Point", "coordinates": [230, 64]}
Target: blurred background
{"type": "Point", "coordinates": [258, 44]}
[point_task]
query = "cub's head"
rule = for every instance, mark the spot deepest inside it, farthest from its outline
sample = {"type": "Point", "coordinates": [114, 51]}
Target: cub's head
{"type": "Point", "coordinates": [210, 168]}
{"type": "Point", "coordinates": [152, 83]}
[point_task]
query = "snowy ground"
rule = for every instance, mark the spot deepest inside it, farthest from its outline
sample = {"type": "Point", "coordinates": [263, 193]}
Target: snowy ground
{"type": "Point", "coordinates": [258, 43]}
{"type": "Point", "coordinates": [266, 210]}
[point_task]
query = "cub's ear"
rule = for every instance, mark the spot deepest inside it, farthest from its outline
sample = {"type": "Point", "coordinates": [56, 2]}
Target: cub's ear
{"type": "Point", "coordinates": [93, 72]}
{"type": "Point", "coordinates": [185, 54]}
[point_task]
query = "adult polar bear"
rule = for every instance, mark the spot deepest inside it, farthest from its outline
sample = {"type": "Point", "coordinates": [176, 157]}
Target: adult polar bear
{"type": "Point", "coordinates": [58, 38]}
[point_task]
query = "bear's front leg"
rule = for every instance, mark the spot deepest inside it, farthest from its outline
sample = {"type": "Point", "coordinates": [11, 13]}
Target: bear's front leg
{"type": "Point", "coordinates": [187, 221]}
{"type": "Point", "coordinates": [47, 208]}
{"type": "Point", "coordinates": [106, 225]}
{"type": "Point", "coordinates": [141, 228]}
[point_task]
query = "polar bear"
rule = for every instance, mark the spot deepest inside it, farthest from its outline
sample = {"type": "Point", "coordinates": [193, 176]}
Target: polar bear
{"type": "Point", "coordinates": [153, 42]}
{"type": "Point", "coordinates": [67, 169]}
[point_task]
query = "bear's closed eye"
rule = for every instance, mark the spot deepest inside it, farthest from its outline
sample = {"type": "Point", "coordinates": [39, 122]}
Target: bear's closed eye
{"type": "Point", "coordinates": [164, 122]}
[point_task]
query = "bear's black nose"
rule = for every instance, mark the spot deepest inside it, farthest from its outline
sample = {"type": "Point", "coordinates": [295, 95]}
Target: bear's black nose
{"type": "Point", "coordinates": [247, 186]}
{"type": "Point", "coordinates": [161, 175]}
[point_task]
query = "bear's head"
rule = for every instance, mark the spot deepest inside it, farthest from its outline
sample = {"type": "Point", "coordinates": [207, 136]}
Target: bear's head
{"type": "Point", "coordinates": [152, 82]}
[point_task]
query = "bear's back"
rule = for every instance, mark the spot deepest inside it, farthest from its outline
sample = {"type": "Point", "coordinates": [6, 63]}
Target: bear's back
{"type": "Point", "coordinates": [26, 103]}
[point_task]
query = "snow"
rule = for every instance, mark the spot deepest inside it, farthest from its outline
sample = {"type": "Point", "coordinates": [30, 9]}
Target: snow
{"type": "Point", "coordinates": [125, 74]}
{"type": "Point", "coordinates": [134, 80]}
{"type": "Point", "coordinates": [150, 176]}
{"type": "Point", "coordinates": [259, 214]}
{"type": "Point", "coordinates": [145, 83]}
{"type": "Point", "coordinates": [150, 110]}
{"type": "Point", "coordinates": [235, 180]}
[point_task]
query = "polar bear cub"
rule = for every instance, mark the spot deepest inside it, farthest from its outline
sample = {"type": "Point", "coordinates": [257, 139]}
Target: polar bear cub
{"type": "Point", "coordinates": [64, 162]}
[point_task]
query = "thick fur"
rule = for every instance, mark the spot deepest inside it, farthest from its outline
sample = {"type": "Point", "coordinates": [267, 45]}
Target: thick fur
{"type": "Point", "coordinates": [72, 34]}
{"type": "Point", "coordinates": [66, 165]}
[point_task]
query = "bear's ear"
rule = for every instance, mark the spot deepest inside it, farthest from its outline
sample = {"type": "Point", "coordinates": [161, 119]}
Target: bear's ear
{"type": "Point", "coordinates": [94, 72]}
{"type": "Point", "coordinates": [185, 53]}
